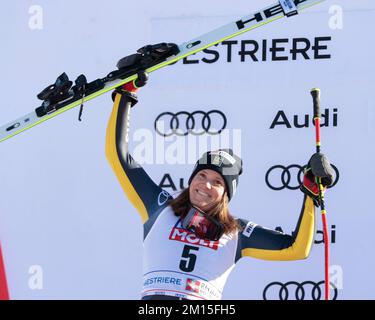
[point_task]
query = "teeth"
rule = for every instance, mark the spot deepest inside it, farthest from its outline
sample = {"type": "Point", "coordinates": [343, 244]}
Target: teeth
{"type": "Point", "coordinates": [202, 193]}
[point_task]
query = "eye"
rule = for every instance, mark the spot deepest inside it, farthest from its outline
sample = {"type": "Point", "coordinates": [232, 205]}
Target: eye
{"type": "Point", "coordinates": [218, 183]}
{"type": "Point", "coordinates": [202, 175]}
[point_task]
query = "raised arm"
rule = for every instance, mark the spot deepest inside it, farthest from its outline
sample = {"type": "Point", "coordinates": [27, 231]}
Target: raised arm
{"type": "Point", "coordinates": [146, 196]}
{"type": "Point", "coordinates": [262, 243]}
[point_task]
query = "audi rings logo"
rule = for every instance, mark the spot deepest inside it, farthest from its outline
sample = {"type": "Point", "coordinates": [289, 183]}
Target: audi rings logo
{"type": "Point", "coordinates": [279, 177]}
{"type": "Point", "coordinates": [307, 290]}
{"type": "Point", "coordinates": [197, 123]}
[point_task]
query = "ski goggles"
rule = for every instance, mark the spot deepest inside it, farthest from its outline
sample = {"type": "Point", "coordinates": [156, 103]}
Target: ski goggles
{"type": "Point", "coordinates": [204, 226]}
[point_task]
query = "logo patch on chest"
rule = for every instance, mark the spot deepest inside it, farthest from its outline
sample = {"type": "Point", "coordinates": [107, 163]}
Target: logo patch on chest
{"type": "Point", "coordinates": [183, 235]}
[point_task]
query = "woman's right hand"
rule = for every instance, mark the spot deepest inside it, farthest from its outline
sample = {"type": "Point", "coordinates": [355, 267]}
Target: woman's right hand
{"type": "Point", "coordinates": [133, 85]}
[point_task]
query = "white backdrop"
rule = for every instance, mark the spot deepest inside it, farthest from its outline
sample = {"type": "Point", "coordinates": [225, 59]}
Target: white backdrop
{"type": "Point", "coordinates": [66, 229]}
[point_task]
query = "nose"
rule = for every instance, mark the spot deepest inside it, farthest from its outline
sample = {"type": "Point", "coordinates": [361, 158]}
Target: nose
{"type": "Point", "coordinates": [208, 184]}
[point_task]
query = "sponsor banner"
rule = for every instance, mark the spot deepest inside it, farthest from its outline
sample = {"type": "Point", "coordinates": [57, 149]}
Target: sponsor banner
{"type": "Point", "coordinates": [177, 284]}
{"type": "Point", "coordinates": [265, 50]}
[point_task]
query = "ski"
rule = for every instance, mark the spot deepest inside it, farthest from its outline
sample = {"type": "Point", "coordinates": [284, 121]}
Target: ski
{"type": "Point", "coordinates": [63, 95]}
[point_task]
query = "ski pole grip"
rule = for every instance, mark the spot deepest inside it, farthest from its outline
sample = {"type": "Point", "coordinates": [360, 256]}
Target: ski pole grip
{"type": "Point", "coordinates": [315, 93]}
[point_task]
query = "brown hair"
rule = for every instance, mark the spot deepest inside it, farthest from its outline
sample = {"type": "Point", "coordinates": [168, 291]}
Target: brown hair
{"type": "Point", "coordinates": [220, 212]}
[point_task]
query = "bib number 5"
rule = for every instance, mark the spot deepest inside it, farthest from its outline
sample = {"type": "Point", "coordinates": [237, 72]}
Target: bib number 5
{"type": "Point", "coordinates": [189, 259]}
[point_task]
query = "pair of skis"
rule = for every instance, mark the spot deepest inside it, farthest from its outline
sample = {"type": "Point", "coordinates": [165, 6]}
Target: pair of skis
{"type": "Point", "coordinates": [63, 95]}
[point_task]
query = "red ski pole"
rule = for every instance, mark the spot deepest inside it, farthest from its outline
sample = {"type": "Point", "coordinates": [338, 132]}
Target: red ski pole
{"type": "Point", "coordinates": [4, 293]}
{"type": "Point", "coordinates": [315, 92]}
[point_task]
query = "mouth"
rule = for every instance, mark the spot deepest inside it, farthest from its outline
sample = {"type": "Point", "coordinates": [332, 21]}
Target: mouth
{"type": "Point", "coordinates": [202, 194]}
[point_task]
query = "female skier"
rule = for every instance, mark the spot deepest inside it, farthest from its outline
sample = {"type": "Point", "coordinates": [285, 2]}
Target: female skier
{"type": "Point", "coordinates": [192, 242]}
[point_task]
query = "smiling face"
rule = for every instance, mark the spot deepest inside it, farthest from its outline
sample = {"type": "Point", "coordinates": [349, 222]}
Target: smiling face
{"type": "Point", "coordinates": [206, 189]}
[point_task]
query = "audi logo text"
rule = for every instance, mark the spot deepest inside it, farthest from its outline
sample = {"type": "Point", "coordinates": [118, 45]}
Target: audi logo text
{"type": "Point", "coordinates": [183, 123]}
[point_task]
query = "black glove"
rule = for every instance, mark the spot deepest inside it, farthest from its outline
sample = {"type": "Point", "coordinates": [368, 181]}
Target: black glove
{"type": "Point", "coordinates": [318, 166]}
{"type": "Point", "coordinates": [141, 80]}
{"type": "Point", "coordinates": [132, 86]}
